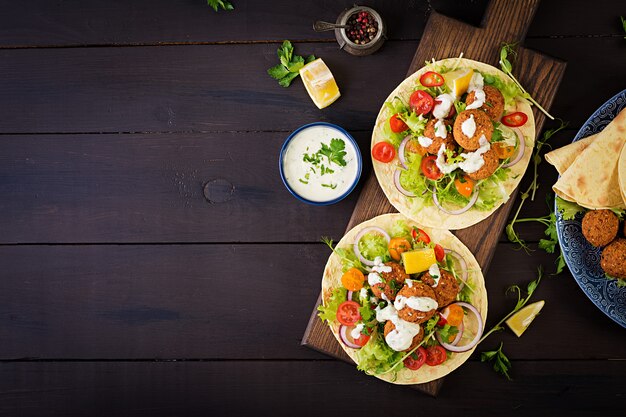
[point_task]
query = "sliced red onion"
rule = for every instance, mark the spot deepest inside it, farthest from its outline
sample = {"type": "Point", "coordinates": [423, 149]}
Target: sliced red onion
{"type": "Point", "coordinates": [396, 182]}
{"type": "Point", "coordinates": [401, 152]}
{"type": "Point", "coordinates": [457, 338]}
{"type": "Point", "coordinates": [463, 266]}
{"type": "Point", "coordinates": [350, 295]}
{"type": "Point", "coordinates": [343, 333]}
{"type": "Point", "coordinates": [520, 150]}
{"type": "Point", "coordinates": [479, 332]}
{"type": "Point", "coordinates": [459, 211]}
{"type": "Point", "coordinates": [362, 233]}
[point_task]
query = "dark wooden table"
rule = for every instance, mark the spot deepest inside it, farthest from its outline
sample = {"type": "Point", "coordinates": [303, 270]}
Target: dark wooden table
{"type": "Point", "coordinates": [151, 261]}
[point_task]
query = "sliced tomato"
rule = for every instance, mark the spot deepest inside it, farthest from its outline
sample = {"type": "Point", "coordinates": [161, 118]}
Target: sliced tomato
{"type": "Point", "coordinates": [430, 168]}
{"type": "Point", "coordinates": [352, 279]}
{"type": "Point", "coordinates": [503, 151]}
{"type": "Point", "coordinates": [396, 246]}
{"type": "Point", "coordinates": [362, 340]}
{"type": "Point", "coordinates": [420, 235]}
{"type": "Point", "coordinates": [440, 253]}
{"type": "Point", "coordinates": [416, 359]}
{"type": "Point", "coordinates": [348, 313]}
{"type": "Point", "coordinates": [421, 102]}
{"type": "Point", "coordinates": [435, 355]}
{"type": "Point", "coordinates": [464, 186]}
{"type": "Point", "coordinates": [515, 119]}
{"type": "Point", "coordinates": [383, 152]}
{"type": "Point", "coordinates": [396, 124]}
{"type": "Point", "coordinates": [431, 79]}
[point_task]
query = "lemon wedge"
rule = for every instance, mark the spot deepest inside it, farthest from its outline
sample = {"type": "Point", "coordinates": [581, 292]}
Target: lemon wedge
{"type": "Point", "coordinates": [319, 83]}
{"type": "Point", "coordinates": [520, 321]}
{"type": "Point", "coordinates": [459, 80]}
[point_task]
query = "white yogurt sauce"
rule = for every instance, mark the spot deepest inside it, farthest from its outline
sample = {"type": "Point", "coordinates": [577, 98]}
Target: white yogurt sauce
{"type": "Point", "coordinates": [479, 100]}
{"type": "Point", "coordinates": [440, 129]}
{"type": "Point", "coordinates": [356, 332]}
{"type": "Point", "coordinates": [424, 141]}
{"type": "Point", "coordinates": [401, 337]}
{"type": "Point", "coordinates": [468, 127]}
{"type": "Point", "coordinates": [435, 273]}
{"type": "Point", "coordinates": [473, 161]}
{"type": "Point", "coordinates": [442, 109]}
{"type": "Point", "coordinates": [422, 304]}
{"type": "Point", "coordinates": [297, 172]}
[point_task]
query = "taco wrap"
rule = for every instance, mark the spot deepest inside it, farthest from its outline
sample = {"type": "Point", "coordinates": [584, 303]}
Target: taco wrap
{"type": "Point", "coordinates": [448, 171]}
{"type": "Point", "coordinates": [376, 357]}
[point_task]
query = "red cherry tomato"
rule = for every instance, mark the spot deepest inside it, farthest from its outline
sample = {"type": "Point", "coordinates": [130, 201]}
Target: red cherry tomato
{"type": "Point", "coordinates": [431, 79]}
{"type": "Point", "coordinates": [430, 168]}
{"type": "Point", "coordinates": [396, 124]}
{"type": "Point", "coordinates": [348, 313]}
{"type": "Point", "coordinates": [383, 152]}
{"type": "Point", "coordinates": [416, 359]}
{"type": "Point", "coordinates": [362, 340]}
{"type": "Point", "coordinates": [421, 102]}
{"type": "Point", "coordinates": [440, 253]}
{"type": "Point", "coordinates": [515, 119]}
{"type": "Point", "coordinates": [420, 235]}
{"type": "Point", "coordinates": [435, 355]}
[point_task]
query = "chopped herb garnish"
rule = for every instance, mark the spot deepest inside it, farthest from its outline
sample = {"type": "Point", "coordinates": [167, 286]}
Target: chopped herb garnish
{"type": "Point", "coordinates": [501, 363]}
{"type": "Point", "coordinates": [335, 152]}
{"type": "Point", "coordinates": [331, 186]}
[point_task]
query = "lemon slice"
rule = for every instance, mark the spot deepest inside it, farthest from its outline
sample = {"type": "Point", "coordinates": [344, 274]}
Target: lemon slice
{"type": "Point", "coordinates": [520, 321]}
{"type": "Point", "coordinates": [319, 83]}
{"type": "Point", "coordinates": [459, 80]}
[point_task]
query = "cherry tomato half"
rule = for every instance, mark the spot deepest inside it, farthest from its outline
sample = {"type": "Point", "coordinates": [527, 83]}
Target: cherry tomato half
{"type": "Point", "coordinates": [435, 355]}
{"type": "Point", "coordinates": [515, 119]}
{"type": "Point", "coordinates": [362, 340]}
{"type": "Point", "coordinates": [502, 150]}
{"type": "Point", "coordinates": [396, 124]}
{"type": "Point", "coordinates": [348, 313]}
{"type": "Point", "coordinates": [420, 235]}
{"type": "Point", "coordinates": [383, 152]}
{"type": "Point", "coordinates": [396, 246]}
{"type": "Point", "coordinates": [430, 168]}
{"type": "Point", "coordinates": [464, 186]}
{"type": "Point", "coordinates": [421, 102]}
{"type": "Point", "coordinates": [431, 79]}
{"type": "Point", "coordinates": [440, 253]}
{"type": "Point", "coordinates": [416, 359]}
{"type": "Point", "coordinates": [352, 279]}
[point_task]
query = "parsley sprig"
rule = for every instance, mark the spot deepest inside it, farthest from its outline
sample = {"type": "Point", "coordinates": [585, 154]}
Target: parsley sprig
{"type": "Point", "coordinates": [507, 67]}
{"type": "Point", "coordinates": [502, 364]}
{"type": "Point", "coordinates": [623, 24]}
{"type": "Point", "coordinates": [223, 4]}
{"type": "Point", "coordinates": [290, 64]}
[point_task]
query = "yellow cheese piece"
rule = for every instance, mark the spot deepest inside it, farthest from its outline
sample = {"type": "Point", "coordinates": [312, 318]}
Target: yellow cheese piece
{"type": "Point", "coordinates": [418, 260]}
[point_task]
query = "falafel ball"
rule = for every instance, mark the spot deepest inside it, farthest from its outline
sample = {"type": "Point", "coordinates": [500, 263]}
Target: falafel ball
{"type": "Point", "coordinates": [613, 260]}
{"type": "Point", "coordinates": [417, 339]}
{"type": "Point", "coordinates": [383, 288]}
{"type": "Point", "coordinates": [494, 102]}
{"type": "Point", "coordinates": [429, 132]}
{"type": "Point", "coordinates": [393, 280]}
{"type": "Point", "coordinates": [483, 127]}
{"type": "Point", "coordinates": [447, 288]}
{"type": "Point", "coordinates": [600, 227]}
{"type": "Point", "coordinates": [416, 289]}
{"type": "Point", "coordinates": [397, 273]}
{"type": "Point", "coordinates": [489, 167]}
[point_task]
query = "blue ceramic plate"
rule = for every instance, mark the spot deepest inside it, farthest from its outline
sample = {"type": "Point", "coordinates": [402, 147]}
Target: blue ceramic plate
{"type": "Point", "coordinates": [582, 259]}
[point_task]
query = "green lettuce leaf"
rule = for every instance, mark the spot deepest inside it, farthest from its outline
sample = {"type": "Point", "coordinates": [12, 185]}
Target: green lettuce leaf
{"type": "Point", "coordinates": [329, 312]}
{"type": "Point", "coordinates": [568, 209]}
{"type": "Point", "coordinates": [376, 356]}
{"type": "Point", "coordinates": [373, 245]}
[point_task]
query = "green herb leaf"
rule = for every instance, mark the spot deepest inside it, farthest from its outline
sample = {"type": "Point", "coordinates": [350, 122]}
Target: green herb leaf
{"type": "Point", "coordinates": [223, 4]}
{"type": "Point", "coordinates": [335, 152]}
{"type": "Point", "coordinates": [289, 66]}
{"type": "Point", "coordinates": [501, 364]}
{"type": "Point", "coordinates": [278, 72]}
{"type": "Point", "coordinates": [623, 24]}
{"type": "Point", "coordinates": [286, 81]}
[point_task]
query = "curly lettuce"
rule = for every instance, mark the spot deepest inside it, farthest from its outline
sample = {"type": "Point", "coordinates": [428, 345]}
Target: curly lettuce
{"type": "Point", "coordinates": [373, 246]}
{"type": "Point", "coordinates": [376, 356]}
{"type": "Point", "coordinates": [492, 191]}
{"type": "Point", "coordinates": [329, 311]}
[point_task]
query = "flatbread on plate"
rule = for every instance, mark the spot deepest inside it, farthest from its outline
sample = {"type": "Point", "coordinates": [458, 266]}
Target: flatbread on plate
{"type": "Point", "coordinates": [413, 207]}
{"type": "Point", "coordinates": [332, 280]}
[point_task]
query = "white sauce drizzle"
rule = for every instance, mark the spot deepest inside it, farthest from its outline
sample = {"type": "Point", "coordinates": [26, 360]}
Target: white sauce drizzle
{"type": "Point", "coordinates": [468, 127]}
{"type": "Point", "coordinates": [440, 130]}
{"type": "Point", "coordinates": [473, 161]}
{"type": "Point", "coordinates": [435, 273]}
{"type": "Point", "coordinates": [442, 109]}
{"type": "Point", "coordinates": [424, 141]}
{"type": "Point", "coordinates": [479, 100]}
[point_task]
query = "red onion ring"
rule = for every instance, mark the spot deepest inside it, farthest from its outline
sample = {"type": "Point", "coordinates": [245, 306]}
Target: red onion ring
{"type": "Point", "coordinates": [452, 347]}
{"type": "Point", "coordinates": [459, 211]}
{"type": "Point", "coordinates": [362, 233]}
{"type": "Point", "coordinates": [401, 152]}
{"type": "Point", "coordinates": [463, 265]}
{"type": "Point", "coordinates": [457, 338]}
{"type": "Point", "coordinates": [343, 334]}
{"type": "Point", "coordinates": [396, 182]}
{"type": "Point", "coordinates": [521, 149]}
{"type": "Point", "coordinates": [350, 295]}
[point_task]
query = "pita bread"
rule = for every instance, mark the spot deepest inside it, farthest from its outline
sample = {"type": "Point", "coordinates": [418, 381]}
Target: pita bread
{"type": "Point", "coordinates": [621, 173]}
{"type": "Point", "coordinates": [332, 280]}
{"type": "Point", "coordinates": [415, 207]}
{"type": "Point", "coordinates": [592, 180]}
{"type": "Point", "coordinates": [562, 158]}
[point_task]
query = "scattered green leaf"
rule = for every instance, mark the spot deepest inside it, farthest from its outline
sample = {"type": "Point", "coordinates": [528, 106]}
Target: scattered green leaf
{"type": "Point", "coordinates": [501, 364]}
{"type": "Point", "coordinates": [223, 4]}
{"type": "Point", "coordinates": [289, 66]}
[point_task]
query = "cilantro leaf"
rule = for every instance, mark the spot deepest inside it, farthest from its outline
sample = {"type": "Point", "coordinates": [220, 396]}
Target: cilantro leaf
{"type": "Point", "coordinates": [335, 152]}
{"type": "Point", "coordinates": [568, 209]}
{"type": "Point", "coordinates": [224, 4]}
{"type": "Point", "coordinates": [501, 365]}
{"type": "Point", "coordinates": [287, 79]}
{"type": "Point", "coordinates": [289, 66]}
{"type": "Point", "coordinates": [295, 64]}
{"type": "Point", "coordinates": [285, 53]}
{"type": "Point", "coordinates": [623, 24]}
{"type": "Point", "coordinates": [278, 72]}
{"type": "Point", "coordinates": [547, 245]}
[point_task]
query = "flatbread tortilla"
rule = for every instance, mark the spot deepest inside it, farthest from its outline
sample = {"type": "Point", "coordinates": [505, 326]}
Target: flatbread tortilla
{"type": "Point", "coordinates": [621, 173]}
{"type": "Point", "coordinates": [563, 158]}
{"type": "Point", "coordinates": [413, 207]}
{"type": "Point", "coordinates": [592, 180]}
{"type": "Point", "coordinates": [332, 280]}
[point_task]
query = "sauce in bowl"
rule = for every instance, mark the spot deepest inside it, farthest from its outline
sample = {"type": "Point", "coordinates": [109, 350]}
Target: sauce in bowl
{"type": "Point", "coordinates": [320, 163]}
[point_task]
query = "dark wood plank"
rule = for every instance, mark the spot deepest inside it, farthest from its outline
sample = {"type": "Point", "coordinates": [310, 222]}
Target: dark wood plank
{"type": "Point", "coordinates": [156, 188]}
{"type": "Point", "coordinates": [236, 302]}
{"type": "Point", "coordinates": [224, 87]}
{"type": "Point", "coordinates": [543, 388]}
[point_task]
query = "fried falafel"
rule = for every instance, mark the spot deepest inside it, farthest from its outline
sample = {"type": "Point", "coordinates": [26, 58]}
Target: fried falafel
{"type": "Point", "coordinates": [489, 167]}
{"type": "Point", "coordinates": [446, 289]}
{"type": "Point", "coordinates": [600, 227]}
{"type": "Point", "coordinates": [494, 102]}
{"type": "Point", "coordinates": [415, 289]}
{"type": "Point", "coordinates": [613, 260]}
{"type": "Point", "coordinates": [483, 127]}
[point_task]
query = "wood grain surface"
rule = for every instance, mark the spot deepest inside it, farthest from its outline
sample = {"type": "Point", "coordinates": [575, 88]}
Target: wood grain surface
{"type": "Point", "coordinates": [444, 37]}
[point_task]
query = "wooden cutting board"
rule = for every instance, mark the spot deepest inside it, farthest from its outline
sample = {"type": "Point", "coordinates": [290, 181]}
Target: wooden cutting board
{"type": "Point", "coordinates": [504, 21]}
